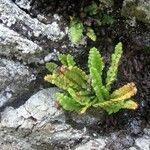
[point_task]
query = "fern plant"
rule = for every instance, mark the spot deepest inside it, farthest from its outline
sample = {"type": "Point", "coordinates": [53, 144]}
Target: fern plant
{"type": "Point", "coordinates": [82, 90]}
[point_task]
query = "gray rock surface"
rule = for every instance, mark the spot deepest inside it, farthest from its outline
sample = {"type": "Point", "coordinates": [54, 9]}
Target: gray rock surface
{"type": "Point", "coordinates": [37, 121]}
{"type": "Point", "coordinates": [40, 107]}
{"type": "Point", "coordinates": [27, 38]}
{"type": "Point", "coordinates": [13, 44]}
{"type": "Point", "coordinates": [25, 4]}
{"type": "Point", "coordinates": [11, 15]}
{"type": "Point", "coordinates": [97, 144]}
{"type": "Point", "coordinates": [15, 79]}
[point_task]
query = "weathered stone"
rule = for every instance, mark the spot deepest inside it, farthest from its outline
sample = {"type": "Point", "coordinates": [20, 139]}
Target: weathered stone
{"type": "Point", "coordinates": [39, 124]}
{"type": "Point", "coordinates": [25, 4]}
{"type": "Point", "coordinates": [13, 44]}
{"type": "Point", "coordinates": [11, 15]}
{"type": "Point", "coordinates": [40, 107]}
{"type": "Point", "coordinates": [138, 9]}
{"type": "Point", "coordinates": [132, 148]}
{"type": "Point", "coordinates": [96, 144]}
{"type": "Point", "coordinates": [38, 121]}
{"type": "Point", "coordinates": [26, 38]}
{"type": "Point", "coordinates": [14, 80]}
{"type": "Point", "coordinates": [143, 143]}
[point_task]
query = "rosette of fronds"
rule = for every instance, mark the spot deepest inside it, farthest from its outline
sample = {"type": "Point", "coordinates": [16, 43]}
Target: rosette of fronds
{"type": "Point", "coordinates": [81, 90]}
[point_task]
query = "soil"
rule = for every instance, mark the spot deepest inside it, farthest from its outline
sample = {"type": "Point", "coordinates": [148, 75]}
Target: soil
{"type": "Point", "coordinates": [134, 66]}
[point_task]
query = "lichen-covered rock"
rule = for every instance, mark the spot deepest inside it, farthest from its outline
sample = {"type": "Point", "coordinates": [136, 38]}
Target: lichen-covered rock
{"type": "Point", "coordinates": [26, 38]}
{"type": "Point", "coordinates": [15, 79]}
{"type": "Point", "coordinates": [37, 109]}
{"type": "Point", "coordinates": [13, 17]}
{"type": "Point", "coordinates": [25, 4]}
{"type": "Point", "coordinates": [143, 143]}
{"type": "Point", "coordinates": [96, 144]}
{"type": "Point", "coordinates": [12, 44]}
{"type": "Point", "coordinates": [138, 9]}
{"type": "Point", "coordinates": [36, 122]}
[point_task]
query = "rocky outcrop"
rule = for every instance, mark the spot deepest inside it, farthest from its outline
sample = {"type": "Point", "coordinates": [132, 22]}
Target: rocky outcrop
{"type": "Point", "coordinates": [38, 122]}
{"type": "Point", "coordinates": [26, 38]}
{"type": "Point", "coordinates": [15, 80]}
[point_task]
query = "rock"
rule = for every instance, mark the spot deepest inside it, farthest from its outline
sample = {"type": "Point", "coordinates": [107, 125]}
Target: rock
{"type": "Point", "coordinates": [14, 17]}
{"type": "Point", "coordinates": [143, 143]}
{"type": "Point", "coordinates": [26, 38]}
{"type": "Point", "coordinates": [119, 141]}
{"type": "Point", "coordinates": [15, 79]}
{"type": "Point", "coordinates": [138, 9]}
{"type": "Point", "coordinates": [38, 108]}
{"type": "Point", "coordinates": [96, 144]}
{"type": "Point", "coordinates": [132, 148]}
{"type": "Point", "coordinates": [25, 4]}
{"type": "Point", "coordinates": [36, 122]}
{"type": "Point", "coordinates": [13, 44]}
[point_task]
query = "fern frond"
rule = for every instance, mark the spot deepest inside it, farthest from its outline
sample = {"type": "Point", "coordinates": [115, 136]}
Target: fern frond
{"type": "Point", "coordinates": [68, 103]}
{"type": "Point", "coordinates": [82, 100]}
{"type": "Point", "coordinates": [51, 67]}
{"type": "Point", "coordinates": [125, 91]}
{"type": "Point", "coordinates": [77, 75]}
{"type": "Point", "coordinates": [113, 69]}
{"type": "Point", "coordinates": [61, 81]}
{"type": "Point", "coordinates": [63, 59]}
{"type": "Point", "coordinates": [66, 60]}
{"type": "Point", "coordinates": [75, 31]}
{"type": "Point", "coordinates": [120, 99]}
{"type": "Point", "coordinates": [96, 83]}
{"type": "Point", "coordinates": [95, 60]}
{"type": "Point", "coordinates": [122, 94]}
{"type": "Point", "coordinates": [130, 104]}
{"type": "Point", "coordinates": [96, 66]}
{"type": "Point", "coordinates": [115, 106]}
{"type": "Point", "coordinates": [70, 60]}
{"type": "Point", "coordinates": [91, 34]}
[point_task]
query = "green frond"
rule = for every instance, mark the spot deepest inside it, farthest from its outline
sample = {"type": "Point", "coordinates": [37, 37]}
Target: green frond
{"type": "Point", "coordinates": [120, 99]}
{"type": "Point", "coordinates": [63, 59]}
{"type": "Point", "coordinates": [51, 67]}
{"type": "Point", "coordinates": [91, 9]}
{"type": "Point", "coordinates": [70, 60]}
{"type": "Point", "coordinates": [60, 81]}
{"type": "Point", "coordinates": [66, 60]}
{"type": "Point", "coordinates": [130, 104]}
{"type": "Point", "coordinates": [68, 103]}
{"type": "Point", "coordinates": [96, 65]}
{"type": "Point", "coordinates": [95, 60]}
{"type": "Point", "coordinates": [91, 34]}
{"type": "Point", "coordinates": [96, 83]}
{"type": "Point", "coordinates": [113, 107]}
{"type": "Point", "coordinates": [76, 75]}
{"type": "Point", "coordinates": [113, 69]}
{"type": "Point", "coordinates": [82, 100]}
{"type": "Point", "coordinates": [75, 31]}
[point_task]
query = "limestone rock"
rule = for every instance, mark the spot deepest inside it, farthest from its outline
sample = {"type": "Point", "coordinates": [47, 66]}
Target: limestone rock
{"type": "Point", "coordinates": [15, 79]}
{"type": "Point", "coordinates": [38, 121]}
{"type": "Point", "coordinates": [97, 144]}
